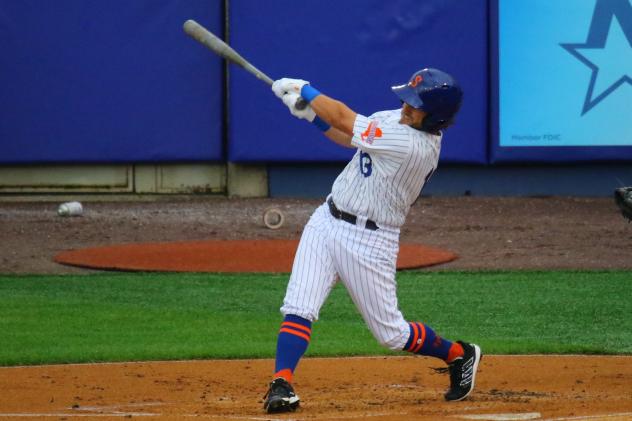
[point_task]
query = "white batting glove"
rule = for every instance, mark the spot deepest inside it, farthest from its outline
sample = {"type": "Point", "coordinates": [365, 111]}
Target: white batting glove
{"type": "Point", "coordinates": [306, 113]}
{"type": "Point", "coordinates": [286, 85]}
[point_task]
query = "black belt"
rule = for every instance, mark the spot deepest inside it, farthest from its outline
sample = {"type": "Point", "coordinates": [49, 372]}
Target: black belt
{"type": "Point", "coordinates": [347, 217]}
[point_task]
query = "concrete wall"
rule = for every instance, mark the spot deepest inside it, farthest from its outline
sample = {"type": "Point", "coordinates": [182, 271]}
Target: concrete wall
{"type": "Point", "coordinates": [229, 179]}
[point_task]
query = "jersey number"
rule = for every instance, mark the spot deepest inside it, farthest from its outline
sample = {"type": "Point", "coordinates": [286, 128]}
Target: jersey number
{"type": "Point", "coordinates": [366, 164]}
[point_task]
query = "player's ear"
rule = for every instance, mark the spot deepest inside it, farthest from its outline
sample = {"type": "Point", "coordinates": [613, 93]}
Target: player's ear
{"type": "Point", "coordinates": [423, 116]}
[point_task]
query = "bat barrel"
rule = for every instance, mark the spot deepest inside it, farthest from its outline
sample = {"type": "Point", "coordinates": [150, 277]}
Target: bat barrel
{"type": "Point", "coordinates": [194, 29]}
{"type": "Point", "coordinates": [215, 44]}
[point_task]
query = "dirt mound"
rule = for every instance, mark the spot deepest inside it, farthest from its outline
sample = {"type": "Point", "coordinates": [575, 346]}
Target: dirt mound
{"type": "Point", "coordinates": [221, 256]}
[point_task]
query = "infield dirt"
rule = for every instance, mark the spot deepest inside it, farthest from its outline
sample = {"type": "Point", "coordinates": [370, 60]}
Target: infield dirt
{"type": "Point", "coordinates": [393, 388]}
{"type": "Point", "coordinates": [486, 233]}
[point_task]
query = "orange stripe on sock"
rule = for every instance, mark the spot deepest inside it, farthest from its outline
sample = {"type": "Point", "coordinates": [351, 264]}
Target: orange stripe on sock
{"type": "Point", "coordinates": [297, 326]}
{"type": "Point", "coordinates": [422, 328]}
{"type": "Point", "coordinates": [286, 373]}
{"type": "Point", "coordinates": [294, 332]}
{"type": "Point", "coordinates": [423, 335]}
{"type": "Point", "coordinates": [415, 337]}
{"type": "Point", "coordinates": [455, 351]}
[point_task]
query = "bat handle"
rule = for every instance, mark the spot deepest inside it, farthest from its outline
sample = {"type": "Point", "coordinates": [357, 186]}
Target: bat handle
{"type": "Point", "coordinates": [301, 104]}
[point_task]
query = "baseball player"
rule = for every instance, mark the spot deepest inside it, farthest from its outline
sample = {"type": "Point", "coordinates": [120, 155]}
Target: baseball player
{"type": "Point", "coordinates": [354, 236]}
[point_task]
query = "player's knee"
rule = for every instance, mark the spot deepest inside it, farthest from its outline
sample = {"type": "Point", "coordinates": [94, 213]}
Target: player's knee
{"type": "Point", "coordinates": [305, 313]}
{"type": "Point", "coordinates": [392, 343]}
{"type": "Point", "coordinates": [392, 335]}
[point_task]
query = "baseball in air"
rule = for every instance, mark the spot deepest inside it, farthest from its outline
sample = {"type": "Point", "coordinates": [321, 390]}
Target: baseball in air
{"type": "Point", "coordinates": [273, 218]}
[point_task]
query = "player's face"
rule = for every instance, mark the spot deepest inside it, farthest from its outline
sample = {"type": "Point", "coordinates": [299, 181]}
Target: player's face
{"type": "Point", "coordinates": [411, 116]}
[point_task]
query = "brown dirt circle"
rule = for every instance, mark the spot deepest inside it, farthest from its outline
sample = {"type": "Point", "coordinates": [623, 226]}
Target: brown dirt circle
{"type": "Point", "coordinates": [221, 256]}
{"type": "Point", "coordinates": [508, 388]}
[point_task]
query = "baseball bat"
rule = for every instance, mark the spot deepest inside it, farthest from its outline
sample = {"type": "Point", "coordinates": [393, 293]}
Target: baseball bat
{"type": "Point", "coordinates": [219, 47]}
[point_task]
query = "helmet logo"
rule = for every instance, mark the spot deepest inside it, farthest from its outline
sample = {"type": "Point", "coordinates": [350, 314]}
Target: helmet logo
{"type": "Point", "coordinates": [416, 81]}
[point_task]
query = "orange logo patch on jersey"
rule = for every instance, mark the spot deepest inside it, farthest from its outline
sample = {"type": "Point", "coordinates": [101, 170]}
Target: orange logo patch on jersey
{"type": "Point", "coordinates": [371, 133]}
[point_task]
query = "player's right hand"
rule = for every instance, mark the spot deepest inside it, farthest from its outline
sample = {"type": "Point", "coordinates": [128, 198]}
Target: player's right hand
{"type": "Point", "coordinates": [289, 99]}
{"type": "Point", "coordinates": [286, 85]}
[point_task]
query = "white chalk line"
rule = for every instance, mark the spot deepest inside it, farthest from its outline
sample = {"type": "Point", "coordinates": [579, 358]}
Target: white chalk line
{"type": "Point", "coordinates": [224, 417]}
{"type": "Point", "coordinates": [97, 411]}
{"type": "Point", "coordinates": [116, 408]}
{"type": "Point", "coordinates": [591, 417]}
{"type": "Point", "coordinates": [503, 417]}
{"type": "Point", "coordinates": [236, 417]}
{"type": "Point", "coordinates": [340, 417]}
{"type": "Point", "coordinates": [486, 417]}
{"type": "Point", "coordinates": [537, 416]}
{"type": "Point", "coordinates": [68, 415]}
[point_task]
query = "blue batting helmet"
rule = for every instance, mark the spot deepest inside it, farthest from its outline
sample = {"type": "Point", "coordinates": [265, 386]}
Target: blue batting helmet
{"type": "Point", "coordinates": [435, 92]}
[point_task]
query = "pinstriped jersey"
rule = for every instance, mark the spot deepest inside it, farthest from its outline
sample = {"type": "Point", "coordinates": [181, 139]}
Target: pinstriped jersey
{"type": "Point", "coordinates": [390, 167]}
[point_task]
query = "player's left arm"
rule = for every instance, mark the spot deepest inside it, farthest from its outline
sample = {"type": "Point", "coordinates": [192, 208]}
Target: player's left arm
{"type": "Point", "coordinates": [338, 116]}
{"type": "Point", "coordinates": [334, 117]}
{"type": "Point", "coordinates": [307, 113]}
{"type": "Point", "coordinates": [336, 113]}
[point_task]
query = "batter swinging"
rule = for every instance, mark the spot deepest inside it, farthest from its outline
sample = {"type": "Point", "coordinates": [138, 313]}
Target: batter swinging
{"type": "Point", "coordinates": [354, 235]}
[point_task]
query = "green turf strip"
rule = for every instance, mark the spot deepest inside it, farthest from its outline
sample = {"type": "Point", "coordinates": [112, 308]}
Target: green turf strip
{"type": "Point", "coordinates": [124, 317]}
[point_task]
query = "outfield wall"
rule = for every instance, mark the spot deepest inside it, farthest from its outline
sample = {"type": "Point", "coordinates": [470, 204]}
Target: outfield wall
{"type": "Point", "coordinates": [89, 82]}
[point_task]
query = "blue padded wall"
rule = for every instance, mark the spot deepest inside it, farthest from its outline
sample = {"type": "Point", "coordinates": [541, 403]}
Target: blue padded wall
{"type": "Point", "coordinates": [108, 81]}
{"type": "Point", "coordinates": [352, 50]}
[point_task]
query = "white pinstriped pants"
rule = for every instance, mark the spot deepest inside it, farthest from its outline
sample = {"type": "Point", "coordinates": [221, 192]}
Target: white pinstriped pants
{"type": "Point", "coordinates": [365, 262]}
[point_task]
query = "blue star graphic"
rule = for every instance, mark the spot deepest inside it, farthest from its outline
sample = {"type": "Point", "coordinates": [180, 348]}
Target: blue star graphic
{"type": "Point", "coordinates": [607, 50]}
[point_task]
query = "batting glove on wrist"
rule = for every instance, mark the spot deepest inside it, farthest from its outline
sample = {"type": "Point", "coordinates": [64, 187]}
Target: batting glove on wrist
{"type": "Point", "coordinates": [306, 113]}
{"type": "Point", "coordinates": [285, 85]}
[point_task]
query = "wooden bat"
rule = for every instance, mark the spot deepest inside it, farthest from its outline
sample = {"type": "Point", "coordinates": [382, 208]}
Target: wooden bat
{"type": "Point", "coordinates": [219, 47]}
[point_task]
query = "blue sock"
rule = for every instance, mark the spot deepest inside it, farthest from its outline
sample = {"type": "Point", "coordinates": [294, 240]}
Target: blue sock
{"type": "Point", "coordinates": [292, 343]}
{"type": "Point", "coordinates": [424, 341]}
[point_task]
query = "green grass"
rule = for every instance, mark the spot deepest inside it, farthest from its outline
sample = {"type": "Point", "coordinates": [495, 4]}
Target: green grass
{"type": "Point", "coordinates": [124, 317]}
